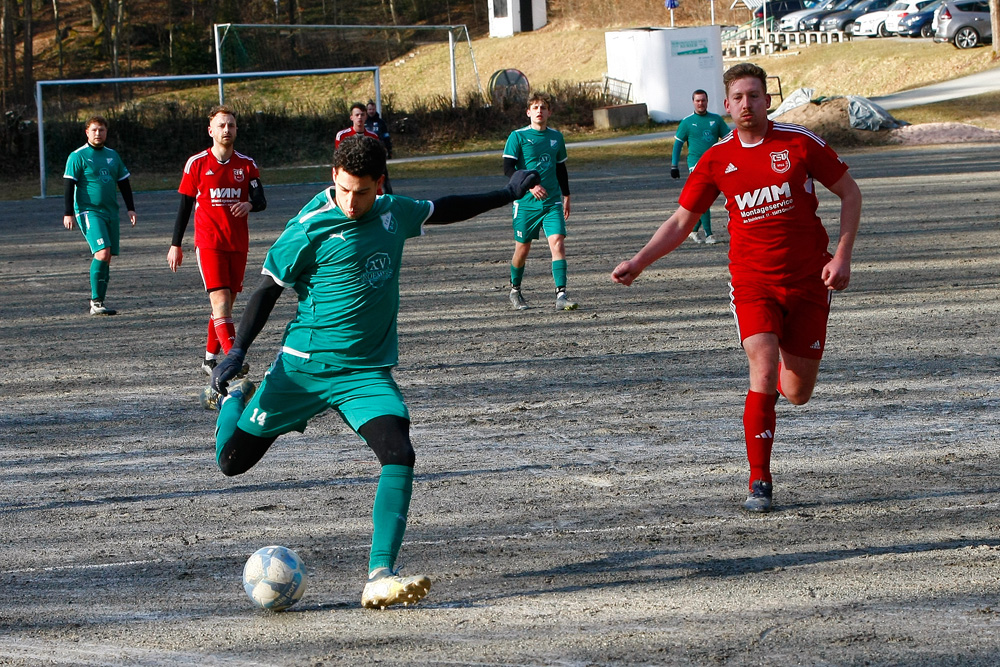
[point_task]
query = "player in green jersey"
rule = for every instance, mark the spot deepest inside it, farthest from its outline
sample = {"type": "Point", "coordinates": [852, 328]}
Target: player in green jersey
{"type": "Point", "coordinates": [546, 206]}
{"type": "Point", "coordinates": [701, 130]}
{"type": "Point", "coordinates": [92, 173]}
{"type": "Point", "coordinates": [341, 254]}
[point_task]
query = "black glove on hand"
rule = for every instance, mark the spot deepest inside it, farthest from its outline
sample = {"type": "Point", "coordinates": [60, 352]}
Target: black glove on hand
{"type": "Point", "coordinates": [227, 369]}
{"type": "Point", "coordinates": [521, 181]}
{"type": "Point", "coordinates": [675, 172]}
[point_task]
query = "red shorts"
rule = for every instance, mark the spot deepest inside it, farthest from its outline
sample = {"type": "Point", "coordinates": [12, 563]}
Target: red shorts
{"type": "Point", "coordinates": [797, 314]}
{"type": "Point", "coordinates": [221, 269]}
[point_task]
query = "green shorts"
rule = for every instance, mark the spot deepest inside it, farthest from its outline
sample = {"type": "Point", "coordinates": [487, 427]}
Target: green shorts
{"type": "Point", "coordinates": [99, 231]}
{"type": "Point", "coordinates": [531, 217]}
{"type": "Point", "coordinates": [295, 390]}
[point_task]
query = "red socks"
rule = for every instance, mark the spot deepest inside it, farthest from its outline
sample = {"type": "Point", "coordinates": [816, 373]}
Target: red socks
{"type": "Point", "coordinates": [212, 344]}
{"type": "Point", "coordinates": [225, 332]}
{"type": "Point", "coordinates": [758, 427]}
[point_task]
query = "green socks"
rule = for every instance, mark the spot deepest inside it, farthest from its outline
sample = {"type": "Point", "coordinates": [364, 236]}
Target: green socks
{"type": "Point", "coordinates": [392, 504]}
{"type": "Point", "coordinates": [100, 272]}
{"type": "Point", "coordinates": [559, 273]}
{"type": "Point", "coordinates": [515, 275]}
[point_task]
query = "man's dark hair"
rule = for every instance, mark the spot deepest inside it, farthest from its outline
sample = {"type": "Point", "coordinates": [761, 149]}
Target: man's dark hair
{"type": "Point", "coordinates": [95, 119]}
{"type": "Point", "coordinates": [698, 92]}
{"type": "Point", "coordinates": [744, 71]}
{"type": "Point", "coordinates": [360, 155]}
{"type": "Point", "coordinates": [539, 96]}
{"type": "Point", "coordinates": [220, 108]}
{"type": "Point", "coordinates": [358, 105]}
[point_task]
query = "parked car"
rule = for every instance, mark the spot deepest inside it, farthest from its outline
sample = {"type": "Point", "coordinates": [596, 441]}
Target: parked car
{"type": "Point", "coordinates": [895, 16]}
{"type": "Point", "coordinates": [919, 24]}
{"type": "Point", "coordinates": [779, 8]}
{"type": "Point", "coordinates": [790, 22]}
{"type": "Point", "coordinates": [844, 19]}
{"type": "Point", "coordinates": [872, 24]}
{"type": "Point", "coordinates": [811, 22]}
{"type": "Point", "coordinates": [965, 24]}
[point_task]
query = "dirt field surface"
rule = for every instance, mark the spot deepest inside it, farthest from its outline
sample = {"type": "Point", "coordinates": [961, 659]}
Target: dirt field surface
{"type": "Point", "coordinates": [579, 474]}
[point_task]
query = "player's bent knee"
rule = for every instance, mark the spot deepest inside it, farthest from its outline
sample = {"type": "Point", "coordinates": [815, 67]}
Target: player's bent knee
{"type": "Point", "coordinates": [242, 451]}
{"type": "Point", "coordinates": [389, 437]}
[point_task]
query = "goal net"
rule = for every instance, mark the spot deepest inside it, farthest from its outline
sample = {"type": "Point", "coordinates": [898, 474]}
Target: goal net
{"type": "Point", "coordinates": [156, 123]}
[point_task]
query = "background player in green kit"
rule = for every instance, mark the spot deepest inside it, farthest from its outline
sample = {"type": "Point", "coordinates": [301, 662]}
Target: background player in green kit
{"type": "Point", "coordinates": [93, 171]}
{"type": "Point", "coordinates": [546, 206]}
{"type": "Point", "coordinates": [701, 130]}
{"type": "Point", "coordinates": [341, 254]}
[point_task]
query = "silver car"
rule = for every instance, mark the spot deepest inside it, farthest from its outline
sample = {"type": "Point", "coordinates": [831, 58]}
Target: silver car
{"type": "Point", "coordinates": [965, 23]}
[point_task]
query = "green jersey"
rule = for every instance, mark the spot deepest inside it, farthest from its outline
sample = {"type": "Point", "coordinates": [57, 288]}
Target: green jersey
{"type": "Point", "coordinates": [700, 133]}
{"type": "Point", "coordinates": [346, 275]}
{"type": "Point", "coordinates": [541, 150]}
{"type": "Point", "coordinates": [96, 172]}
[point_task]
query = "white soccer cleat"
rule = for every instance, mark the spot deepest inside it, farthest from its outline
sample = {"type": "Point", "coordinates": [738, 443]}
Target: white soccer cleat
{"type": "Point", "coordinates": [385, 588]}
{"type": "Point", "coordinates": [563, 302]}
{"type": "Point", "coordinates": [711, 240]}
{"type": "Point", "coordinates": [517, 299]}
{"type": "Point", "coordinates": [98, 308]}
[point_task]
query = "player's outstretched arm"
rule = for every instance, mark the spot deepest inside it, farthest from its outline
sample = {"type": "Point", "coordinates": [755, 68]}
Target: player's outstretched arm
{"type": "Point", "coordinates": [258, 309]}
{"type": "Point", "coordinates": [258, 202]}
{"type": "Point", "coordinates": [837, 272]}
{"type": "Point", "coordinates": [455, 208]}
{"type": "Point", "coordinates": [670, 235]}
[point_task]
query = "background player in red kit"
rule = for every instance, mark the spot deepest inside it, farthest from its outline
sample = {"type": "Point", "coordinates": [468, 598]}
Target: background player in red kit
{"type": "Point", "coordinates": [782, 273]}
{"type": "Point", "coordinates": [359, 114]}
{"type": "Point", "coordinates": [223, 186]}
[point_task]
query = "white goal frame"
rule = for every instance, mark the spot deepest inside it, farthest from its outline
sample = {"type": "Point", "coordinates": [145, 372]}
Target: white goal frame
{"type": "Point", "coordinates": [39, 85]}
{"type": "Point", "coordinates": [221, 30]}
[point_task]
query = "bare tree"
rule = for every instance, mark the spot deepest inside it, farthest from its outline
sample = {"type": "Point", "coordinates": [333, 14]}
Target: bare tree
{"type": "Point", "coordinates": [995, 26]}
{"type": "Point", "coordinates": [28, 62]}
{"type": "Point", "coordinates": [59, 37]}
{"type": "Point", "coordinates": [9, 15]}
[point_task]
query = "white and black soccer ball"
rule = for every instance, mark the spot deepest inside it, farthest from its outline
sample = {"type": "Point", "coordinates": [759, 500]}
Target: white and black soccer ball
{"type": "Point", "coordinates": [274, 578]}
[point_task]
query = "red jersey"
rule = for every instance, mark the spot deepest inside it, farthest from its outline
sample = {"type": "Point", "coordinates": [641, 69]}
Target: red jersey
{"type": "Point", "coordinates": [215, 187]}
{"type": "Point", "coordinates": [775, 234]}
{"type": "Point", "coordinates": [349, 132]}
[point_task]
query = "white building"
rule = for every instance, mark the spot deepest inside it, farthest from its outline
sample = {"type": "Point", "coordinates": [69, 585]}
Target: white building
{"type": "Point", "coordinates": [510, 16]}
{"type": "Point", "coordinates": [666, 65]}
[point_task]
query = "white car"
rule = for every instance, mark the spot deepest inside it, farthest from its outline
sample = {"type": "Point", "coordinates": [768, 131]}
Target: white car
{"type": "Point", "coordinates": [790, 22]}
{"type": "Point", "coordinates": [872, 24]}
{"type": "Point", "coordinates": [895, 15]}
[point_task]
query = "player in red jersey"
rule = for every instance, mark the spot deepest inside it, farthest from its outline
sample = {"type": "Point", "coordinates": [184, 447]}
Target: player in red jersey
{"type": "Point", "coordinates": [223, 187]}
{"type": "Point", "coordinates": [782, 273]}
{"type": "Point", "coordinates": [359, 113]}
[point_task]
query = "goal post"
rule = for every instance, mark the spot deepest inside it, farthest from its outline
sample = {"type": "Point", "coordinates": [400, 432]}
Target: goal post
{"type": "Point", "coordinates": [224, 31]}
{"type": "Point", "coordinates": [41, 85]}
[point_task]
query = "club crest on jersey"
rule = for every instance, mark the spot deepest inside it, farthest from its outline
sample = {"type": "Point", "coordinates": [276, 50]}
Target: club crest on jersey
{"type": "Point", "coordinates": [552, 143]}
{"type": "Point", "coordinates": [780, 162]}
{"type": "Point", "coordinates": [110, 160]}
{"type": "Point", "coordinates": [238, 175]}
{"type": "Point", "coordinates": [378, 269]}
{"type": "Point", "coordinates": [389, 222]}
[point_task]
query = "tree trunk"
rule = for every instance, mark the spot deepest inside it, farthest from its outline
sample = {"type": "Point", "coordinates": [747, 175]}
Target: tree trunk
{"type": "Point", "coordinates": [995, 27]}
{"type": "Point", "coordinates": [9, 52]}
{"type": "Point", "coordinates": [59, 45]}
{"type": "Point", "coordinates": [28, 67]}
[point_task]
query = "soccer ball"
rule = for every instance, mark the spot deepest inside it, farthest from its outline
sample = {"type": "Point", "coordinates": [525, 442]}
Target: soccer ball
{"type": "Point", "coordinates": [274, 578]}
